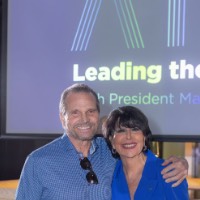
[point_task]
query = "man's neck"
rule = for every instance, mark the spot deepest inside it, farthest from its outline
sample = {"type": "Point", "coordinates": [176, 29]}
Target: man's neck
{"type": "Point", "coordinates": [82, 146]}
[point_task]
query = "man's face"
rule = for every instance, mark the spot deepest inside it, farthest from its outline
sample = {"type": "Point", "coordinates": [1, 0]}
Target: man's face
{"type": "Point", "coordinates": [82, 117]}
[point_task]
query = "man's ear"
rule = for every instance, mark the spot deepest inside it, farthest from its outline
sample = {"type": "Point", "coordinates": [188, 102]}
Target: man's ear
{"type": "Point", "coordinates": [62, 119]}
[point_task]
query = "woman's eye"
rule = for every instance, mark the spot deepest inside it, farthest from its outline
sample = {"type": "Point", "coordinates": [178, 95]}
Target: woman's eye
{"type": "Point", "coordinates": [135, 128]}
{"type": "Point", "coordinates": [120, 131]}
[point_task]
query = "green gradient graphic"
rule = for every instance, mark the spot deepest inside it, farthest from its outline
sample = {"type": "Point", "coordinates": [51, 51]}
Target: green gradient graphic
{"type": "Point", "coordinates": [86, 25]}
{"type": "Point", "coordinates": [176, 23]}
{"type": "Point", "coordinates": [129, 24]}
{"type": "Point", "coordinates": [127, 20]}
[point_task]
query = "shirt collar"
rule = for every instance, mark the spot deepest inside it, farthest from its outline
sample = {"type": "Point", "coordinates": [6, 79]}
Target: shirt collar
{"type": "Point", "coordinates": [69, 146]}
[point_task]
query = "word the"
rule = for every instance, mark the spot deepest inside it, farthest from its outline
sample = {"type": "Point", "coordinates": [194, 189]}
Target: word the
{"type": "Point", "coordinates": [184, 70]}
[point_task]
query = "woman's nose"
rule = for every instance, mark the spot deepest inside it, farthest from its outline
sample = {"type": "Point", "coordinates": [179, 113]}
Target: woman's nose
{"type": "Point", "coordinates": [128, 133]}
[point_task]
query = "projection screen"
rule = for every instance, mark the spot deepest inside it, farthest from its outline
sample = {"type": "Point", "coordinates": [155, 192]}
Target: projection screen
{"type": "Point", "coordinates": [141, 53]}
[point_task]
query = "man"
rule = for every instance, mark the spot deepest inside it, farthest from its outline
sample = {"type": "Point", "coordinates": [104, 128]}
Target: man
{"type": "Point", "coordinates": [78, 165]}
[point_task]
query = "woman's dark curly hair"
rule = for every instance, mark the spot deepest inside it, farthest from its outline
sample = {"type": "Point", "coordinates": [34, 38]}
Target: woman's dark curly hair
{"type": "Point", "coordinates": [129, 117]}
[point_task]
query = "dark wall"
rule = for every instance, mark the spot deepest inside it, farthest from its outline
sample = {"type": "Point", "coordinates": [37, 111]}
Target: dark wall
{"type": "Point", "coordinates": [13, 153]}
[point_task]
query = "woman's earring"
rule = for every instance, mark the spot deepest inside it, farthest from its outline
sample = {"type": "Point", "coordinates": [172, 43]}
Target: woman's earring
{"type": "Point", "coordinates": [144, 147]}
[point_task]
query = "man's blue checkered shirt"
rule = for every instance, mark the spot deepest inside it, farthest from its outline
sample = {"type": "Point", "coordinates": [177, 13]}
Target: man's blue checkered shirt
{"type": "Point", "coordinates": [53, 172]}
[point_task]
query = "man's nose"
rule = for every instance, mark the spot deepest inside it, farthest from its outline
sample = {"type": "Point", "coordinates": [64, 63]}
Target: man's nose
{"type": "Point", "coordinates": [84, 117]}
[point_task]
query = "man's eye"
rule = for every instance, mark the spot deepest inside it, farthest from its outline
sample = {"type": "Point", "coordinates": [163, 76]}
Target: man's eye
{"type": "Point", "coordinates": [91, 111]}
{"type": "Point", "coordinates": [75, 112]}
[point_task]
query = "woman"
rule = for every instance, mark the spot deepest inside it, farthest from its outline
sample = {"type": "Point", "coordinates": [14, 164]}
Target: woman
{"type": "Point", "coordinates": [137, 175]}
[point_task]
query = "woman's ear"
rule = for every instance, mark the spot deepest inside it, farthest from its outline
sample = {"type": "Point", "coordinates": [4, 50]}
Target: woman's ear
{"type": "Point", "coordinates": [112, 142]}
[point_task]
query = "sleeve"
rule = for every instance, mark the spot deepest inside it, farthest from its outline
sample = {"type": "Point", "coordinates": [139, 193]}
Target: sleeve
{"type": "Point", "coordinates": [29, 187]}
{"type": "Point", "coordinates": [175, 193]}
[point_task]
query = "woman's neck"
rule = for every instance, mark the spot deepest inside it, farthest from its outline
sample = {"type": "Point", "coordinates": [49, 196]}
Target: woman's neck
{"type": "Point", "coordinates": [133, 168]}
{"type": "Point", "coordinates": [133, 164]}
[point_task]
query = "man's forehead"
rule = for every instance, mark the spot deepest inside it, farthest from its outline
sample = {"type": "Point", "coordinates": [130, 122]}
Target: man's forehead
{"type": "Point", "coordinates": [80, 95]}
{"type": "Point", "coordinates": [80, 100]}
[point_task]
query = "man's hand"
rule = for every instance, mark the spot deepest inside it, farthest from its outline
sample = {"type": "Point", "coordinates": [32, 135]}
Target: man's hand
{"type": "Point", "coordinates": [176, 170]}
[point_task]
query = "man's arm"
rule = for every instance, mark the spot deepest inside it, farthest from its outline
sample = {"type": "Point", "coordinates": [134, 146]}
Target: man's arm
{"type": "Point", "coordinates": [29, 187]}
{"type": "Point", "coordinates": [177, 170]}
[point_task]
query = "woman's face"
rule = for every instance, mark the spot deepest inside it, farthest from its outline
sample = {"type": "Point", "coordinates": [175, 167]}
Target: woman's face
{"type": "Point", "coordinates": [128, 142]}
